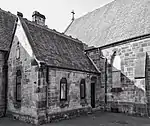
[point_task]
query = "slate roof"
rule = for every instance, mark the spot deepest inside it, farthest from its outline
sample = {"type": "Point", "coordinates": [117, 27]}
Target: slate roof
{"type": "Point", "coordinates": [56, 49]}
{"type": "Point", "coordinates": [116, 21]}
{"type": "Point", "coordinates": [7, 24]}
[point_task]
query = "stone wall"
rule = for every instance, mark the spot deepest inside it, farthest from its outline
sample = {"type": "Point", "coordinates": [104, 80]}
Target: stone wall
{"type": "Point", "coordinates": [133, 95]}
{"type": "Point", "coordinates": [2, 83]}
{"type": "Point", "coordinates": [37, 106]}
{"type": "Point", "coordinates": [73, 106]}
{"type": "Point", "coordinates": [26, 109]}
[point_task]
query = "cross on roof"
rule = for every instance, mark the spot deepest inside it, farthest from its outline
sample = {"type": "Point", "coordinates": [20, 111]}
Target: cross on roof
{"type": "Point", "coordinates": [73, 13]}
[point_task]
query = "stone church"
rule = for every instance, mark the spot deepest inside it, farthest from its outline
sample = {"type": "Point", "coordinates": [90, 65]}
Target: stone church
{"type": "Point", "coordinates": [120, 34]}
{"type": "Point", "coordinates": [100, 62]}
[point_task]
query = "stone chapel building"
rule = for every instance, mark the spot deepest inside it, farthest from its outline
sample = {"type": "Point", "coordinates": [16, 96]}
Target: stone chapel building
{"type": "Point", "coordinates": [46, 75]}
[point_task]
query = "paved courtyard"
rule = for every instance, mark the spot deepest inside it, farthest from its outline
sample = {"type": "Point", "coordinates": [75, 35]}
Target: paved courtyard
{"type": "Point", "coordinates": [98, 119]}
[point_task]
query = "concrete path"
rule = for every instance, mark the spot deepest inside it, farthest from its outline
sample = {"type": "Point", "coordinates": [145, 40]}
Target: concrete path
{"type": "Point", "coordinates": [98, 119]}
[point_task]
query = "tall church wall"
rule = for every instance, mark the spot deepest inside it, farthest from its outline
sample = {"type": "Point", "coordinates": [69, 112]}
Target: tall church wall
{"type": "Point", "coordinates": [129, 91]}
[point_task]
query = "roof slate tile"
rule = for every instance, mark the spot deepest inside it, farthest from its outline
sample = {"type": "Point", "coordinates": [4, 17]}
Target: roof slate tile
{"type": "Point", "coordinates": [7, 23]}
{"type": "Point", "coordinates": [116, 21]}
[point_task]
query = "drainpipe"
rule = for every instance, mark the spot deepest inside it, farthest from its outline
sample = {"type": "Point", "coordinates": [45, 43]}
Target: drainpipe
{"type": "Point", "coordinates": [43, 66]}
{"type": "Point", "coordinates": [5, 69]}
{"type": "Point", "coordinates": [105, 83]}
{"type": "Point", "coordinates": [105, 100]}
{"type": "Point", "coordinates": [146, 82]}
{"type": "Point", "coordinates": [47, 85]}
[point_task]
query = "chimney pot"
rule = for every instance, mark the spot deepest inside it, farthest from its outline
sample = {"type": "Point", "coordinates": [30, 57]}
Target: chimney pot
{"type": "Point", "coordinates": [38, 18]}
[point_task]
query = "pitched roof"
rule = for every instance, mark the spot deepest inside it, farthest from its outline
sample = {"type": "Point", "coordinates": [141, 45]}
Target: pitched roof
{"type": "Point", "coordinates": [56, 49]}
{"type": "Point", "coordinates": [116, 21]}
{"type": "Point", "coordinates": [7, 23]}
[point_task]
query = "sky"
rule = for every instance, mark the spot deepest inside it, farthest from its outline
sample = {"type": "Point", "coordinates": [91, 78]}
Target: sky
{"type": "Point", "coordinates": [57, 12]}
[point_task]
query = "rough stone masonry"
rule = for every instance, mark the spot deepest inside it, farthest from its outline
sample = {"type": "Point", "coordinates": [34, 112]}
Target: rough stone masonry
{"type": "Point", "coordinates": [132, 94]}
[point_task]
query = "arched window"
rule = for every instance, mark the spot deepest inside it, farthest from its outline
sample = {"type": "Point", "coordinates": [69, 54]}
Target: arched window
{"type": "Point", "coordinates": [82, 89]}
{"type": "Point", "coordinates": [63, 89]}
{"type": "Point", "coordinates": [18, 51]}
{"type": "Point", "coordinates": [117, 62]}
{"type": "Point", "coordinates": [18, 85]}
{"type": "Point", "coordinates": [116, 70]}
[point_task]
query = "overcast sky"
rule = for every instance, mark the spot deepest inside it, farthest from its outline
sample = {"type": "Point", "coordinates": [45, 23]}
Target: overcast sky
{"type": "Point", "coordinates": [57, 12]}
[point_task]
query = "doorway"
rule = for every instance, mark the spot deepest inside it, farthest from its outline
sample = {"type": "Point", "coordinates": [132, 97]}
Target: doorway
{"type": "Point", "coordinates": [93, 82]}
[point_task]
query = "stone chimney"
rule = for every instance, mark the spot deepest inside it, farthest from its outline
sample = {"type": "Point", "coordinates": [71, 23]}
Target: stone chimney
{"type": "Point", "coordinates": [38, 18]}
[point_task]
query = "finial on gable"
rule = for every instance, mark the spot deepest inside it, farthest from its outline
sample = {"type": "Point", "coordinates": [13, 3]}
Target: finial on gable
{"type": "Point", "coordinates": [73, 13]}
{"type": "Point", "coordinates": [19, 14]}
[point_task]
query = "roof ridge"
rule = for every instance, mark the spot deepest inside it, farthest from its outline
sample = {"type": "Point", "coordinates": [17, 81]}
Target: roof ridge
{"type": "Point", "coordinates": [94, 10]}
{"type": "Point", "coordinates": [68, 27]}
{"type": "Point", "coordinates": [54, 31]}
